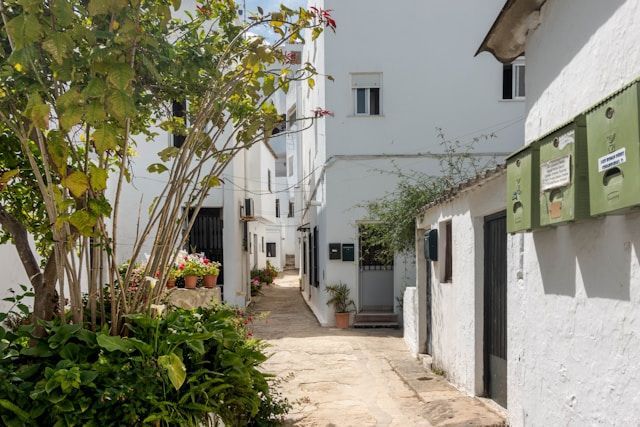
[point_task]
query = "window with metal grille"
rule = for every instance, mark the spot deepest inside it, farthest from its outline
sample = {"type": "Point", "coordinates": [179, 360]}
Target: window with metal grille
{"type": "Point", "coordinates": [291, 210]}
{"type": "Point", "coordinates": [277, 208]}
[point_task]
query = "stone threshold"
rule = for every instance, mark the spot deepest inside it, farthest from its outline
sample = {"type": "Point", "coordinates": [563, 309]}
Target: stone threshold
{"type": "Point", "coordinates": [445, 404]}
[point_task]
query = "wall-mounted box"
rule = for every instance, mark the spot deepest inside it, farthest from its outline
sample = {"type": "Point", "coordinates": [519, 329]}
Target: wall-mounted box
{"type": "Point", "coordinates": [335, 251]}
{"type": "Point", "coordinates": [613, 140]}
{"type": "Point", "coordinates": [564, 180]}
{"type": "Point", "coordinates": [348, 252]}
{"type": "Point", "coordinates": [431, 245]}
{"type": "Point", "coordinates": [523, 183]}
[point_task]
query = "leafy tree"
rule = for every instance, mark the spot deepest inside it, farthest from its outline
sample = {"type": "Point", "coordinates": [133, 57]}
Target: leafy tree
{"type": "Point", "coordinates": [395, 213]}
{"type": "Point", "coordinates": [80, 82]}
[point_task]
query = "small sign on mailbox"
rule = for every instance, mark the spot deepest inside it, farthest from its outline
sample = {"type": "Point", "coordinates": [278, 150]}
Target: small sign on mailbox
{"type": "Point", "coordinates": [335, 251]}
{"type": "Point", "coordinates": [555, 173]}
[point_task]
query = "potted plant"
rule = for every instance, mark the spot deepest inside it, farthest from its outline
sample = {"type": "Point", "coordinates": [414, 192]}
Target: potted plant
{"type": "Point", "coordinates": [341, 303]}
{"type": "Point", "coordinates": [211, 272]}
{"type": "Point", "coordinates": [173, 275]}
{"type": "Point", "coordinates": [191, 269]}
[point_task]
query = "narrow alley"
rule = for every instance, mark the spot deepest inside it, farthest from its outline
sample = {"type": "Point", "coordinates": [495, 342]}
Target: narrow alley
{"type": "Point", "coordinates": [354, 377]}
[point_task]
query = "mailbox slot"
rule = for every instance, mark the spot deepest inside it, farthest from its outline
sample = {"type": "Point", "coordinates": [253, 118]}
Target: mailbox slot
{"type": "Point", "coordinates": [522, 189]}
{"type": "Point", "coordinates": [564, 188]}
{"type": "Point", "coordinates": [613, 140]}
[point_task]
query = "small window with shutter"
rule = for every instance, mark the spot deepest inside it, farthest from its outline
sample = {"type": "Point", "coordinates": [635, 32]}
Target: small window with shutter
{"type": "Point", "coordinates": [366, 88]}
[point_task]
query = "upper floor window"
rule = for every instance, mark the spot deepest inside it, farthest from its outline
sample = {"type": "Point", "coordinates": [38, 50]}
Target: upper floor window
{"type": "Point", "coordinates": [366, 93]}
{"type": "Point", "coordinates": [277, 208]}
{"type": "Point", "coordinates": [269, 180]}
{"type": "Point", "coordinates": [291, 210]}
{"type": "Point", "coordinates": [513, 80]}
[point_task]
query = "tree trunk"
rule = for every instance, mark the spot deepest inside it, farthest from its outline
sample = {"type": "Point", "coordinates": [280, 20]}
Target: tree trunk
{"type": "Point", "coordinates": [43, 283]}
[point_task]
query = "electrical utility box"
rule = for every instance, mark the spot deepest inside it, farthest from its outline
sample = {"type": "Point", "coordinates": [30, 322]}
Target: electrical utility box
{"type": "Point", "coordinates": [431, 245]}
{"type": "Point", "coordinates": [564, 178]}
{"type": "Point", "coordinates": [523, 183]}
{"type": "Point", "coordinates": [613, 140]}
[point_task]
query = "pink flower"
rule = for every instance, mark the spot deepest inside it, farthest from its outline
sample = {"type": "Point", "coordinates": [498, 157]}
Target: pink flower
{"type": "Point", "coordinates": [321, 112]}
{"type": "Point", "coordinates": [324, 17]}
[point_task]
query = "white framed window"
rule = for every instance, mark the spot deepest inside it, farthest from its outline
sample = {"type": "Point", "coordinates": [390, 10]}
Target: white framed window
{"type": "Point", "coordinates": [367, 91]}
{"type": "Point", "coordinates": [513, 80]}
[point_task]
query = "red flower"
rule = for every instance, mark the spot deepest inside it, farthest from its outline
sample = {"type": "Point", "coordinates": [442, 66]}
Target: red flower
{"type": "Point", "coordinates": [181, 266]}
{"type": "Point", "coordinates": [324, 17]}
{"type": "Point", "coordinates": [321, 112]}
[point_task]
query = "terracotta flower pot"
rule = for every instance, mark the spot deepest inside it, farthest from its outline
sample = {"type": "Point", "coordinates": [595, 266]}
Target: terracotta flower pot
{"type": "Point", "coordinates": [171, 283]}
{"type": "Point", "coordinates": [190, 282]}
{"type": "Point", "coordinates": [210, 281]}
{"type": "Point", "coordinates": [342, 320]}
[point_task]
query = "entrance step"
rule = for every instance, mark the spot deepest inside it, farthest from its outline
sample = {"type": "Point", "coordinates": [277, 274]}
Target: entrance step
{"type": "Point", "coordinates": [426, 361]}
{"type": "Point", "coordinates": [376, 320]}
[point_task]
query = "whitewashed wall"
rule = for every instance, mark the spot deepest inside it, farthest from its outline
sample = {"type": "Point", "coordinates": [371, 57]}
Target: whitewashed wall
{"type": "Point", "coordinates": [430, 80]}
{"type": "Point", "coordinates": [574, 291]}
{"type": "Point", "coordinates": [410, 319]}
{"type": "Point", "coordinates": [457, 307]}
{"type": "Point", "coordinates": [12, 275]}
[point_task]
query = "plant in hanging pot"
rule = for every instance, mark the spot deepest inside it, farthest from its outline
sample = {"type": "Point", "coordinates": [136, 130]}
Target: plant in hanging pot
{"type": "Point", "coordinates": [191, 269]}
{"type": "Point", "coordinates": [341, 303]}
{"type": "Point", "coordinates": [211, 272]}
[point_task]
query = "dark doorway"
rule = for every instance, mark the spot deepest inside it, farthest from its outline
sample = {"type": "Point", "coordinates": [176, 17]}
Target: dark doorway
{"type": "Point", "coordinates": [429, 317]}
{"type": "Point", "coordinates": [495, 307]}
{"type": "Point", "coordinates": [206, 236]}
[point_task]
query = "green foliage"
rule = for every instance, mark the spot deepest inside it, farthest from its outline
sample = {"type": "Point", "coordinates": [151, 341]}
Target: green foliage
{"type": "Point", "coordinates": [396, 212]}
{"type": "Point", "coordinates": [172, 370]}
{"type": "Point", "coordinates": [339, 298]}
{"type": "Point", "coordinates": [79, 79]}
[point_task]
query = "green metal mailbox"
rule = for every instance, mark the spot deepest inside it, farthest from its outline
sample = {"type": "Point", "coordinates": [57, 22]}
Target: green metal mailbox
{"type": "Point", "coordinates": [522, 189]}
{"type": "Point", "coordinates": [613, 140]}
{"type": "Point", "coordinates": [564, 185]}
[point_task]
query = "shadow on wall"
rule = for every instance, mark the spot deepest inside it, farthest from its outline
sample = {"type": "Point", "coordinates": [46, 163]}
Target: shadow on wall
{"type": "Point", "coordinates": [601, 249]}
{"type": "Point", "coordinates": [604, 256]}
{"type": "Point", "coordinates": [591, 15]}
{"type": "Point", "coordinates": [557, 261]}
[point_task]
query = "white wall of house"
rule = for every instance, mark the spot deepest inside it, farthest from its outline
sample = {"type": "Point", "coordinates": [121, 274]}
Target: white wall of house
{"type": "Point", "coordinates": [424, 86]}
{"type": "Point", "coordinates": [457, 306]}
{"type": "Point", "coordinates": [574, 290]}
{"type": "Point", "coordinates": [13, 275]}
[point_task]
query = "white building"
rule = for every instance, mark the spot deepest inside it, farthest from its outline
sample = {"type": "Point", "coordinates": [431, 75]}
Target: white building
{"type": "Point", "coordinates": [574, 290]}
{"type": "Point", "coordinates": [401, 70]}
{"type": "Point", "coordinates": [571, 291]}
{"type": "Point", "coordinates": [456, 313]}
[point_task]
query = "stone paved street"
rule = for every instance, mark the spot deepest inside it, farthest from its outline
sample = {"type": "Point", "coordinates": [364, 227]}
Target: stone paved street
{"type": "Point", "coordinates": [355, 377]}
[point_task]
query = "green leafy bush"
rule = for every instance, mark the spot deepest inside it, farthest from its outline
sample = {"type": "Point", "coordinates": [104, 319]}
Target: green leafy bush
{"type": "Point", "coordinates": [172, 370]}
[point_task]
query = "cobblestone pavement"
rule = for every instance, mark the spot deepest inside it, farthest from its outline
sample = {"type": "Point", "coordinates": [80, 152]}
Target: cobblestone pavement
{"type": "Point", "coordinates": [354, 377]}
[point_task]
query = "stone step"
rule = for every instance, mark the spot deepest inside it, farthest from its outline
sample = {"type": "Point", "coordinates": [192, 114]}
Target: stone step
{"type": "Point", "coordinates": [364, 325]}
{"type": "Point", "coordinates": [376, 317]}
{"type": "Point", "coordinates": [426, 360]}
